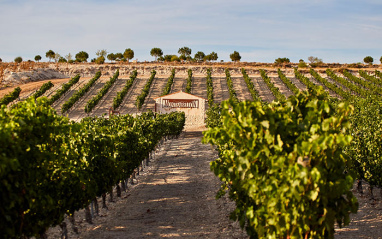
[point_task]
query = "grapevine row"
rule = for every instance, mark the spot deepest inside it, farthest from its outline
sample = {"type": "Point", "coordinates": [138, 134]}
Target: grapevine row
{"type": "Point", "coordinates": [254, 93]}
{"type": "Point", "coordinates": [276, 91]}
{"type": "Point", "coordinates": [64, 88]}
{"type": "Point", "coordinates": [305, 80]}
{"type": "Point", "coordinates": [361, 82]}
{"type": "Point", "coordinates": [331, 86]}
{"type": "Point", "coordinates": [232, 93]}
{"type": "Point", "coordinates": [94, 101]}
{"type": "Point", "coordinates": [368, 77]}
{"type": "Point", "coordinates": [353, 87]}
{"type": "Point", "coordinates": [45, 87]}
{"type": "Point", "coordinates": [288, 82]}
{"type": "Point", "coordinates": [117, 101]}
{"type": "Point", "coordinates": [189, 82]}
{"type": "Point", "coordinates": [284, 168]}
{"type": "Point", "coordinates": [169, 83]}
{"type": "Point", "coordinates": [145, 91]}
{"type": "Point", "coordinates": [81, 92]}
{"type": "Point", "coordinates": [51, 166]}
{"type": "Point", "coordinates": [210, 88]}
{"type": "Point", "coordinates": [8, 98]}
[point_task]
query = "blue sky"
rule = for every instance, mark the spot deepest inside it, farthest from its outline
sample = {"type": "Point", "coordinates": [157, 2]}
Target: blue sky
{"type": "Point", "coordinates": [343, 31]}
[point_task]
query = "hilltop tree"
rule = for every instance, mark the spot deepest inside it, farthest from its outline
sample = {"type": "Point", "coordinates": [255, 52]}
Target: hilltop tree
{"type": "Point", "coordinates": [380, 59]}
{"type": "Point", "coordinates": [100, 60]}
{"type": "Point", "coordinates": [82, 56]}
{"type": "Point", "coordinates": [37, 58]}
{"type": "Point", "coordinates": [199, 56]}
{"type": "Point", "coordinates": [69, 58]}
{"type": "Point", "coordinates": [283, 60]}
{"type": "Point", "coordinates": [185, 51]}
{"type": "Point", "coordinates": [156, 52]}
{"type": "Point", "coordinates": [167, 57]}
{"type": "Point", "coordinates": [111, 57]}
{"type": "Point", "coordinates": [56, 57]}
{"type": "Point", "coordinates": [314, 61]}
{"type": "Point", "coordinates": [128, 54]}
{"type": "Point", "coordinates": [118, 56]}
{"type": "Point", "coordinates": [1, 60]}
{"type": "Point", "coordinates": [62, 60]}
{"type": "Point", "coordinates": [213, 56]}
{"type": "Point", "coordinates": [100, 53]}
{"type": "Point", "coordinates": [368, 60]}
{"type": "Point", "coordinates": [235, 56]}
{"type": "Point", "coordinates": [18, 59]}
{"type": "Point", "coordinates": [50, 55]}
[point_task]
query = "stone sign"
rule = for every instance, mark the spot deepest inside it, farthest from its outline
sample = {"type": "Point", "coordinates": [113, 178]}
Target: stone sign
{"type": "Point", "coordinates": [193, 106]}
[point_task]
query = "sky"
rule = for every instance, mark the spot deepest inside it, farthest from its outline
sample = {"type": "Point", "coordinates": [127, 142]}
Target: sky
{"type": "Point", "coordinates": [336, 31]}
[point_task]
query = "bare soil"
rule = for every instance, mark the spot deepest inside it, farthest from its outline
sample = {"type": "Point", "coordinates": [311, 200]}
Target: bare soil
{"type": "Point", "coordinates": [174, 198]}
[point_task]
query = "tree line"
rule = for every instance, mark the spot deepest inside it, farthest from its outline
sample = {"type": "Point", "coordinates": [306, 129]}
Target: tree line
{"type": "Point", "coordinates": [157, 53]}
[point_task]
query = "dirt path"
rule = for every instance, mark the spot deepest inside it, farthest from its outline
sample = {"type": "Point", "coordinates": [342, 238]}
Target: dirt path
{"type": "Point", "coordinates": [174, 199]}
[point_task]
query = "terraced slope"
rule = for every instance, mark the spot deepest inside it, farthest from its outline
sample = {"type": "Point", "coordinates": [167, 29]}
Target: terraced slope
{"type": "Point", "coordinates": [179, 84]}
{"type": "Point", "coordinates": [221, 92]}
{"type": "Point", "coordinates": [128, 104]}
{"type": "Point", "coordinates": [58, 104]}
{"type": "Point", "coordinates": [107, 101]}
{"type": "Point", "coordinates": [156, 89]}
{"type": "Point", "coordinates": [241, 88]}
{"type": "Point", "coordinates": [77, 112]}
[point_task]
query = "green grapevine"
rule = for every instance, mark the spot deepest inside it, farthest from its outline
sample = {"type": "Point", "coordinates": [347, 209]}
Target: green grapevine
{"type": "Point", "coordinates": [8, 98]}
{"type": "Point", "coordinates": [81, 92]}
{"type": "Point", "coordinates": [121, 95]}
{"type": "Point", "coordinates": [168, 86]}
{"type": "Point", "coordinates": [284, 166]}
{"type": "Point", "coordinates": [94, 101]}
{"type": "Point", "coordinates": [145, 91]}
{"type": "Point", "coordinates": [276, 92]}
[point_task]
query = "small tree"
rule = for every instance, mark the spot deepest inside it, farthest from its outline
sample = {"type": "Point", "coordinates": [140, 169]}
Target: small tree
{"type": "Point", "coordinates": [207, 58]}
{"type": "Point", "coordinates": [213, 56]}
{"type": "Point", "coordinates": [199, 56]}
{"type": "Point", "coordinates": [185, 51]}
{"type": "Point", "coordinates": [283, 60]}
{"type": "Point", "coordinates": [100, 53]}
{"type": "Point", "coordinates": [167, 57]}
{"type": "Point", "coordinates": [1, 60]}
{"type": "Point", "coordinates": [118, 56]}
{"type": "Point", "coordinates": [128, 54]}
{"type": "Point", "coordinates": [50, 55]}
{"type": "Point", "coordinates": [82, 56]}
{"type": "Point", "coordinates": [368, 60]}
{"type": "Point", "coordinates": [314, 61]}
{"type": "Point", "coordinates": [37, 58]}
{"type": "Point", "coordinates": [380, 59]}
{"type": "Point", "coordinates": [56, 57]}
{"type": "Point", "coordinates": [100, 60]}
{"type": "Point", "coordinates": [156, 52]}
{"type": "Point", "coordinates": [111, 57]}
{"type": "Point", "coordinates": [235, 56]}
{"type": "Point", "coordinates": [69, 58]}
{"type": "Point", "coordinates": [62, 60]}
{"type": "Point", "coordinates": [18, 59]}
{"type": "Point", "coordinates": [175, 58]}
{"type": "Point", "coordinates": [182, 58]}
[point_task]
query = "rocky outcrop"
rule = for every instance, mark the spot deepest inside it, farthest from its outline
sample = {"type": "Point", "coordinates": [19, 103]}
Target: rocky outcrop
{"type": "Point", "coordinates": [16, 78]}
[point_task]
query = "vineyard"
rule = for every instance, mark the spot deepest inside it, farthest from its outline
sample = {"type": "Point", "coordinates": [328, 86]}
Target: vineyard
{"type": "Point", "coordinates": [290, 143]}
